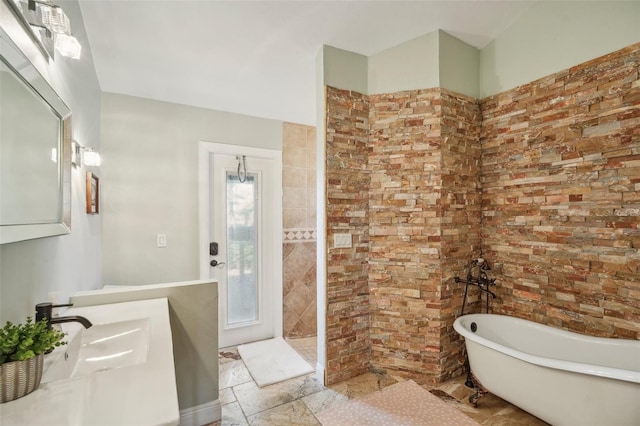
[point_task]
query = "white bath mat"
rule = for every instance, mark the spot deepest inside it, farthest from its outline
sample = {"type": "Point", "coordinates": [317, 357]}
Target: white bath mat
{"type": "Point", "coordinates": [272, 361]}
{"type": "Point", "coordinates": [403, 404]}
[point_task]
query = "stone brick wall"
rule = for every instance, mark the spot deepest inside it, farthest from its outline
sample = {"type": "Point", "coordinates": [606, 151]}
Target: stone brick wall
{"type": "Point", "coordinates": [404, 219]}
{"type": "Point", "coordinates": [561, 181]}
{"type": "Point", "coordinates": [347, 211]}
{"type": "Point", "coordinates": [542, 180]}
{"type": "Point", "coordinates": [461, 203]}
{"type": "Point", "coordinates": [403, 178]}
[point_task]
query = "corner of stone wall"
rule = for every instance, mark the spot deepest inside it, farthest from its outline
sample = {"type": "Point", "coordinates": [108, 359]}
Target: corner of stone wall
{"type": "Point", "coordinates": [347, 206]}
{"type": "Point", "coordinates": [425, 213]}
{"type": "Point", "coordinates": [461, 218]}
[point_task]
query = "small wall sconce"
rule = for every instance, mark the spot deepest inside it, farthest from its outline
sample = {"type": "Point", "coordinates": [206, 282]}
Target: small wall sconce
{"type": "Point", "coordinates": [82, 155]}
{"type": "Point", "coordinates": [68, 46]}
{"type": "Point", "coordinates": [91, 157]}
{"type": "Point", "coordinates": [51, 25]}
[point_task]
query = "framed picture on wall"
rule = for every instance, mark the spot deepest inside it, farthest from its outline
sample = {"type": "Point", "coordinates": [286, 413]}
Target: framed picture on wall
{"type": "Point", "coordinates": [93, 194]}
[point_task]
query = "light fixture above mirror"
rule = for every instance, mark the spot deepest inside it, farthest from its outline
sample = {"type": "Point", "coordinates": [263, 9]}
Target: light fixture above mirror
{"type": "Point", "coordinates": [49, 25]}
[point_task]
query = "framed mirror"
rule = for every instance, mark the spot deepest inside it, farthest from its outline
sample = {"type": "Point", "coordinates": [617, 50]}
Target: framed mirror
{"type": "Point", "coordinates": [35, 151]}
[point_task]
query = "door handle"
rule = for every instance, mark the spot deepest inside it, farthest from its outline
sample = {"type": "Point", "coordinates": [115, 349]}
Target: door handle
{"type": "Point", "coordinates": [215, 263]}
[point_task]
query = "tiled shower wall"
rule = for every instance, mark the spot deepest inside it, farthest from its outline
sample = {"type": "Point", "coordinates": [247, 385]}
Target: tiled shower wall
{"type": "Point", "coordinates": [559, 165]}
{"type": "Point", "coordinates": [299, 223]}
{"type": "Point", "coordinates": [561, 196]}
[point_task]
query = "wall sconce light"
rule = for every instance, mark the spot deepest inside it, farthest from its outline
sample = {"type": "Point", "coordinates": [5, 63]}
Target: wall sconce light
{"type": "Point", "coordinates": [91, 157]}
{"type": "Point", "coordinates": [68, 46]}
{"type": "Point", "coordinates": [82, 155]}
{"type": "Point", "coordinates": [51, 25]}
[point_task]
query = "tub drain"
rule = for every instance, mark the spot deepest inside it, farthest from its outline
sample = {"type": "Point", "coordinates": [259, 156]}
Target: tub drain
{"type": "Point", "coordinates": [474, 327]}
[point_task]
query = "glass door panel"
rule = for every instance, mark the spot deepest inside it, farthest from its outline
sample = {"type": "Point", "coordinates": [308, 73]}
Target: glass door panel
{"type": "Point", "coordinates": [242, 249]}
{"type": "Point", "coordinates": [245, 249]}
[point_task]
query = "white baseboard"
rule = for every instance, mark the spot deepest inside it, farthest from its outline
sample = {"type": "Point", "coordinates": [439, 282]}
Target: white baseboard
{"type": "Point", "coordinates": [320, 374]}
{"type": "Point", "coordinates": [202, 414]}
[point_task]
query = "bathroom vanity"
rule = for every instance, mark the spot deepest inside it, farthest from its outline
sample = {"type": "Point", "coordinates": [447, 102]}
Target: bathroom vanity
{"type": "Point", "coordinates": [120, 371]}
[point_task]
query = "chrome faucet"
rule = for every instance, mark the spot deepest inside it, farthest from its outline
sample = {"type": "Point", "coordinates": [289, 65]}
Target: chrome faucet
{"type": "Point", "coordinates": [45, 310]}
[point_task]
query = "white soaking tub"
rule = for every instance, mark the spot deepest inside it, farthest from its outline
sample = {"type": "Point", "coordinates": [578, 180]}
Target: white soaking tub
{"type": "Point", "coordinates": [564, 378]}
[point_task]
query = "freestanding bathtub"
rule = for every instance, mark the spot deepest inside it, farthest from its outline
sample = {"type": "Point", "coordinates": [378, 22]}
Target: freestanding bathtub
{"type": "Point", "coordinates": [561, 377]}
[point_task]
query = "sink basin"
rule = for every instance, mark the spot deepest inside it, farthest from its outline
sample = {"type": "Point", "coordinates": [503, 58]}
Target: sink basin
{"type": "Point", "coordinates": [101, 347]}
{"type": "Point", "coordinates": [112, 345]}
{"type": "Point", "coordinates": [118, 372]}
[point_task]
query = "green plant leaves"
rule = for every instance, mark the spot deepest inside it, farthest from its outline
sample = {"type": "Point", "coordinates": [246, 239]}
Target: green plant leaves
{"type": "Point", "coordinates": [24, 341]}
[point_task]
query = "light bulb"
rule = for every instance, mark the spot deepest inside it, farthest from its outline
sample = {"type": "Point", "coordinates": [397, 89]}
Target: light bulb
{"type": "Point", "coordinates": [91, 158]}
{"type": "Point", "coordinates": [68, 46]}
{"type": "Point", "coordinates": [54, 18]}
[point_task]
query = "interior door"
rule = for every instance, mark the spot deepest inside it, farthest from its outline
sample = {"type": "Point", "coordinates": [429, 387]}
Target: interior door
{"type": "Point", "coordinates": [243, 237]}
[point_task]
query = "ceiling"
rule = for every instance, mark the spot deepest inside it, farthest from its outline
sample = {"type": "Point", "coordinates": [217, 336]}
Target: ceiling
{"type": "Point", "coordinates": [258, 57]}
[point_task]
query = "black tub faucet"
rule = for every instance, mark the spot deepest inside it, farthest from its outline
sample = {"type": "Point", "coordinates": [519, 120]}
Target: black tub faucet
{"type": "Point", "coordinates": [45, 310]}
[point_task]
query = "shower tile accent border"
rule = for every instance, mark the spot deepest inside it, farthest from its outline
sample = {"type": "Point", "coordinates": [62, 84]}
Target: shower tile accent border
{"type": "Point", "coordinates": [297, 235]}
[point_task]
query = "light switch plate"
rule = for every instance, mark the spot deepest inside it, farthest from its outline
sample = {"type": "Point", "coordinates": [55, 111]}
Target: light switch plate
{"type": "Point", "coordinates": [341, 240]}
{"type": "Point", "coordinates": [162, 240]}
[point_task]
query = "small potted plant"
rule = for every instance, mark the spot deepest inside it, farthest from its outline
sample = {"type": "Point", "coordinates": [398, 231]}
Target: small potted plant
{"type": "Point", "coordinates": [22, 349]}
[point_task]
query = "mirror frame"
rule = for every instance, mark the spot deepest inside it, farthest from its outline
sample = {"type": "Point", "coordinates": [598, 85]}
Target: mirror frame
{"type": "Point", "coordinates": [15, 233]}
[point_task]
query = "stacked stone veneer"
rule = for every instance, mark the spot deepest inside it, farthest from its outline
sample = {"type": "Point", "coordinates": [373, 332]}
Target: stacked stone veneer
{"type": "Point", "coordinates": [347, 210]}
{"type": "Point", "coordinates": [541, 180]}
{"type": "Point", "coordinates": [404, 229]}
{"type": "Point", "coordinates": [402, 178]}
{"type": "Point", "coordinates": [561, 199]}
{"type": "Point", "coordinates": [461, 202]}
{"type": "Point", "coordinates": [424, 225]}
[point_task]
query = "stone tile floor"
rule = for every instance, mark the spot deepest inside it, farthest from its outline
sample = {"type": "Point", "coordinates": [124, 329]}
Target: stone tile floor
{"type": "Point", "coordinates": [296, 401]}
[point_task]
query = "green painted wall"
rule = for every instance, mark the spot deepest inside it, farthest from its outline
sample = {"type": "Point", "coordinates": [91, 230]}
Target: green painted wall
{"type": "Point", "coordinates": [410, 65]}
{"type": "Point", "coordinates": [547, 38]}
{"type": "Point", "coordinates": [149, 182]}
{"type": "Point", "coordinates": [343, 69]}
{"type": "Point", "coordinates": [436, 59]}
{"type": "Point", "coordinates": [458, 65]}
{"type": "Point", "coordinates": [552, 36]}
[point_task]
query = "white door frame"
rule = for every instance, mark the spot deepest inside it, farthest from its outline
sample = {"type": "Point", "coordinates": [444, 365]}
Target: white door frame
{"type": "Point", "coordinates": [204, 151]}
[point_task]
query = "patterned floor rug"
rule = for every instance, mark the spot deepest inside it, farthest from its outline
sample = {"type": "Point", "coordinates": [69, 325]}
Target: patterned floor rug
{"type": "Point", "coordinates": [403, 404]}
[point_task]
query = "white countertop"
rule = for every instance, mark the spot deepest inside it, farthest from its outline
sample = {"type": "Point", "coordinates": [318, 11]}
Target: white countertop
{"type": "Point", "coordinates": [141, 394]}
